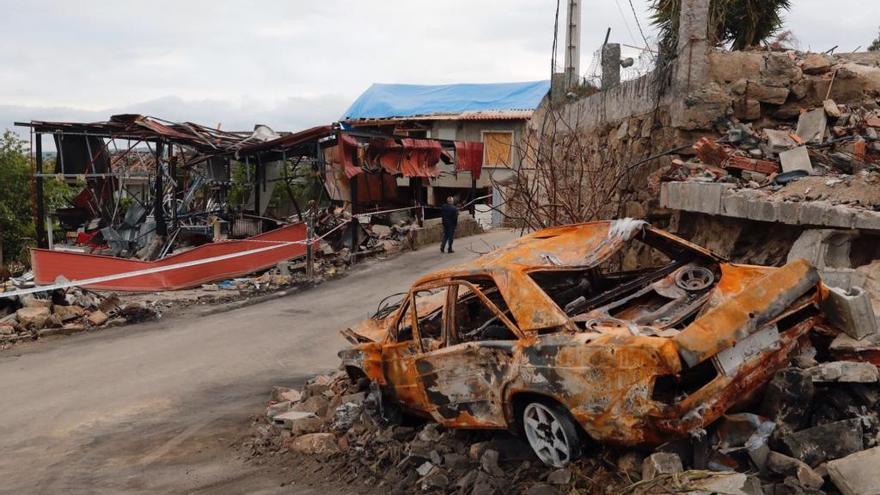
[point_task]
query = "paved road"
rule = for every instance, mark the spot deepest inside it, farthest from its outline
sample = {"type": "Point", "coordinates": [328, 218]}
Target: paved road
{"type": "Point", "coordinates": [157, 407]}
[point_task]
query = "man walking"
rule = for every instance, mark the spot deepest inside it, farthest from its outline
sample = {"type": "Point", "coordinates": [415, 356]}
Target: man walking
{"type": "Point", "coordinates": [449, 214]}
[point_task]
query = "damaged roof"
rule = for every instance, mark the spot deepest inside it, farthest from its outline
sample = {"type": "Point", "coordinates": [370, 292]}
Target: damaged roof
{"type": "Point", "coordinates": [447, 101]}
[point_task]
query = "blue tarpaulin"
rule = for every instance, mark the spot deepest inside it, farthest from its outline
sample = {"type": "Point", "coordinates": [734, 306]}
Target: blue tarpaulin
{"type": "Point", "coordinates": [409, 100]}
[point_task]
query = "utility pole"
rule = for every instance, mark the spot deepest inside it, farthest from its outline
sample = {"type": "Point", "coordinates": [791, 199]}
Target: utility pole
{"type": "Point", "coordinates": [573, 44]}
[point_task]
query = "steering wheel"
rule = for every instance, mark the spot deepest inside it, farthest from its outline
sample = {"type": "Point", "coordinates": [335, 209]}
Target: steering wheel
{"type": "Point", "coordinates": [694, 278]}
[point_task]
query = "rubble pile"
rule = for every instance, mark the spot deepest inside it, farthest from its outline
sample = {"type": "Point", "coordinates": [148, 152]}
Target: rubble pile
{"type": "Point", "coordinates": [832, 153]}
{"type": "Point", "coordinates": [66, 312]}
{"type": "Point", "coordinates": [814, 430]}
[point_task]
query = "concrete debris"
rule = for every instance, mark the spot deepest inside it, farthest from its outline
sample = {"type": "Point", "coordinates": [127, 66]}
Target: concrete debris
{"type": "Point", "coordinates": [857, 474]}
{"type": "Point", "coordinates": [796, 159]}
{"type": "Point", "coordinates": [659, 464]}
{"type": "Point", "coordinates": [825, 442]}
{"type": "Point", "coordinates": [844, 372]}
{"type": "Point", "coordinates": [812, 125]}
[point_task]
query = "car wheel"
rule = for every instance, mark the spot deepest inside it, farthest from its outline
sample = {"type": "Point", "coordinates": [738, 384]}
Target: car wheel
{"type": "Point", "coordinates": [551, 433]}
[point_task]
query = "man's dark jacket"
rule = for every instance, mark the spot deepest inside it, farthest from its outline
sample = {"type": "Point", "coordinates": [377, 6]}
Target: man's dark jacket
{"type": "Point", "coordinates": [449, 213]}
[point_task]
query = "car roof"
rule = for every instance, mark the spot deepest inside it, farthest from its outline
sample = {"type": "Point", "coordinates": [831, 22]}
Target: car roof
{"type": "Point", "coordinates": [570, 247]}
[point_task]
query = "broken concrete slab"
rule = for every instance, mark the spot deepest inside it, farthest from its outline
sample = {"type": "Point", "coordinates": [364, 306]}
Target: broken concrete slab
{"type": "Point", "coordinates": [844, 372]}
{"type": "Point", "coordinates": [779, 141]}
{"type": "Point", "coordinates": [811, 126]}
{"type": "Point", "coordinates": [857, 474]}
{"type": "Point", "coordinates": [661, 463]}
{"type": "Point", "coordinates": [868, 349]}
{"type": "Point", "coordinates": [286, 419]}
{"type": "Point", "coordinates": [825, 442]}
{"type": "Point", "coordinates": [796, 159]}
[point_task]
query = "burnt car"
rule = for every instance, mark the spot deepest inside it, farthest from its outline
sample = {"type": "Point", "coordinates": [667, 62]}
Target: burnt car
{"type": "Point", "coordinates": [612, 331]}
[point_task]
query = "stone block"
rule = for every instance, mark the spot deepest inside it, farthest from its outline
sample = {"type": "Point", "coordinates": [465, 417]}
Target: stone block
{"type": "Point", "coordinates": [850, 311]}
{"type": "Point", "coordinates": [773, 95]}
{"type": "Point", "coordinates": [789, 466]}
{"type": "Point", "coordinates": [304, 426]}
{"type": "Point", "coordinates": [315, 444]}
{"type": "Point", "coordinates": [844, 372]}
{"type": "Point", "coordinates": [857, 474]}
{"type": "Point", "coordinates": [788, 397]}
{"type": "Point", "coordinates": [747, 109]}
{"type": "Point", "coordinates": [97, 318]}
{"type": "Point", "coordinates": [796, 159]}
{"type": "Point", "coordinates": [816, 63]}
{"type": "Point", "coordinates": [811, 126]}
{"type": "Point", "coordinates": [33, 316]}
{"type": "Point", "coordinates": [825, 442]}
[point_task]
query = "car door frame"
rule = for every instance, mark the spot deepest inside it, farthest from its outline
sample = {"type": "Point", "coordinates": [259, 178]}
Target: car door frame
{"type": "Point", "coordinates": [459, 381]}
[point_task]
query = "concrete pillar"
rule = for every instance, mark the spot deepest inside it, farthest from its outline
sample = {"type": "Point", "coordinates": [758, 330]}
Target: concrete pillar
{"type": "Point", "coordinates": [573, 44]}
{"type": "Point", "coordinates": [693, 45]}
{"type": "Point", "coordinates": [610, 65]}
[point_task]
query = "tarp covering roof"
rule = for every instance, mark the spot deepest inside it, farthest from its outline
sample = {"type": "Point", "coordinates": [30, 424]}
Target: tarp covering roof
{"type": "Point", "coordinates": [410, 100]}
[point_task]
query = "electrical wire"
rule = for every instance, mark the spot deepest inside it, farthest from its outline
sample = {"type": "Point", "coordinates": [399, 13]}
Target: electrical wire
{"type": "Point", "coordinates": [639, 24]}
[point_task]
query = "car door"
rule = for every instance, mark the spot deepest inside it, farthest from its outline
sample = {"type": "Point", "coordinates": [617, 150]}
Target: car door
{"type": "Point", "coordinates": [464, 380]}
{"type": "Point", "coordinates": [405, 345]}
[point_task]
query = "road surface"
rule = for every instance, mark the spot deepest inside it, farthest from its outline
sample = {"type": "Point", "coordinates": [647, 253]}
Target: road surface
{"type": "Point", "coordinates": [158, 407]}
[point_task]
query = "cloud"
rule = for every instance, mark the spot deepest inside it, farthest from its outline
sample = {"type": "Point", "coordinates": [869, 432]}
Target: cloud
{"type": "Point", "coordinates": [296, 63]}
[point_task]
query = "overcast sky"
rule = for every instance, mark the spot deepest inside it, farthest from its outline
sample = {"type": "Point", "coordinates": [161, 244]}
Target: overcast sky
{"type": "Point", "coordinates": [294, 63]}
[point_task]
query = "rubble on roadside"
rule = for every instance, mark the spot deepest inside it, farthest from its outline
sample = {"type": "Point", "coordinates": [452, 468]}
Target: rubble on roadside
{"type": "Point", "coordinates": [815, 430]}
{"type": "Point", "coordinates": [64, 312]}
{"type": "Point", "coordinates": [830, 153]}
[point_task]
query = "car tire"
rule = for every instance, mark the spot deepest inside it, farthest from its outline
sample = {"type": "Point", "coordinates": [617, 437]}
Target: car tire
{"type": "Point", "coordinates": [551, 432]}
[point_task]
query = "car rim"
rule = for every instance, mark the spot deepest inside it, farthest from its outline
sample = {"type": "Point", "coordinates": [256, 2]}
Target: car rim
{"type": "Point", "coordinates": [546, 435]}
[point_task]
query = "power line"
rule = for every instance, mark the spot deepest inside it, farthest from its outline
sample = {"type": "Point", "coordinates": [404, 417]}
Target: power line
{"type": "Point", "coordinates": [639, 24]}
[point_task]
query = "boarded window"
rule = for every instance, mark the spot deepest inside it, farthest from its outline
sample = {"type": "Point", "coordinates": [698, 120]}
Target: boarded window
{"type": "Point", "coordinates": [498, 148]}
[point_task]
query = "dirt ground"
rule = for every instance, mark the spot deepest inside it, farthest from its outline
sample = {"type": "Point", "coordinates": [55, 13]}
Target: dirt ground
{"type": "Point", "coordinates": [161, 407]}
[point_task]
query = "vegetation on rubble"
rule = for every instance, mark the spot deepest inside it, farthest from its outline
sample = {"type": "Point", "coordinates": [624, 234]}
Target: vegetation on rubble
{"type": "Point", "coordinates": [739, 23]}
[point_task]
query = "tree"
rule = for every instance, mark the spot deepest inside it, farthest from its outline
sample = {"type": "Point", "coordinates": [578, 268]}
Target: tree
{"type": "Point", "coordinates": [875, 45]}
{"type": "Point", "coordinates": [742, 23]}
{"type": "Point", "coordinates": [16, 222]}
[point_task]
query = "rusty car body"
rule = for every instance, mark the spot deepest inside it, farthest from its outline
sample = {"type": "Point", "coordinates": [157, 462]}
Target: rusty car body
{"type": "Point", "coordinates": [632, 356]}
